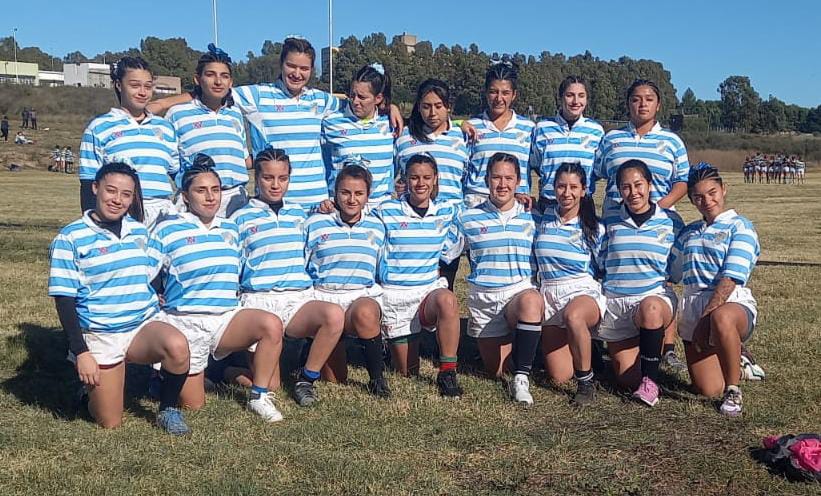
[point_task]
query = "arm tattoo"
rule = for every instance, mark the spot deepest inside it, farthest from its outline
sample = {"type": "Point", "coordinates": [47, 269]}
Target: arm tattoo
{"type": "Point", "coordinates": [723, 290]}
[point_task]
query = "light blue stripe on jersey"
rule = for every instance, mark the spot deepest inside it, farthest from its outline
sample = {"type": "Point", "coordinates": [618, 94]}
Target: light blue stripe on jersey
{"type": "Point", "coordinates": [704, 254]}
{"type": "Point", "coordinates": [514, 139]}
{"type": "Point", "coordinates": [562, 250]}
{"type": "Point", "coordinates": [636, 258]}
{"type": "Point", "coordinates": [348, 137]}
{"type": "Point", "coordinates": [501, 253]}
{"type": "Point", "coordinates": [201, 264]}
{"type": "Point", "coordinates": [295, 125]}
{"type": "Point", "coordinates": [555, 143]}
{"type": "Point", "coordinates": [220, 135]}
{"type": "Point", "coordinates": [451, 155]}
{"type": "Point", "coordinates": [109, 277]}
{"type": "Point", "coordinates": [340, 256]}
{"type": "Point", "coordinates": [661, 149]}
{"type": "Point", "coordinates": [273, 247]}
{"type": "Point", "coordinates": [413, 244]}
{"type": "Point", "coordinates": [151, 146]}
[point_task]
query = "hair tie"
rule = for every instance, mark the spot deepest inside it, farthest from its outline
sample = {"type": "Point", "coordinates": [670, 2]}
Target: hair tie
{"type": "Point", "coordinates": [378, 68]}
{"type": "Point", "coordinates": [503, 61]}
{"type": "Point", "coordinates": [356, 160]}
{"type": "Point", "coordinates": [218, 52]}
{"type": "Point", "coordinates": [119, 159]}
{"type": "Point", "coordinates": [295, 37]}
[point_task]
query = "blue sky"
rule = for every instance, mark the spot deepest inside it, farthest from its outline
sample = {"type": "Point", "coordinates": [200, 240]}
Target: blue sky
{"type": "Point", "coordinates": [700, 42]}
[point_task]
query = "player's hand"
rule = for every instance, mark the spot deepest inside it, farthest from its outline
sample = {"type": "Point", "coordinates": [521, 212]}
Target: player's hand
{"type": "Point", "coordinates": [397, 122]}
{"type": "Point", "coordinates": [525, 200]}
{"type": "Point", "coordinates": [469, 130]}
{"type": "Point", "coordinates": [326, 207]}
{"type": "Point", "coordinates": [87, 369]}
{"type": "Point", "coordinates": [400, 187]}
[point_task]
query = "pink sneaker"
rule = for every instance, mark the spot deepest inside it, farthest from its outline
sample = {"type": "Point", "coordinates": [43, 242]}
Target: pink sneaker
{"type": "Point", "coordinates": [648, 392]}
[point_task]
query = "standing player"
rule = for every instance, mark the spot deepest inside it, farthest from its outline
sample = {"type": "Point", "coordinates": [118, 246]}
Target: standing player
{"type": "Point", "coordinates": [274, 276]}
{"type": "Point", "coordinates": [415, 297]}
{"type": "Point", "coordinates": [570, 137]}
{"type": "Point", "coordinates": [568, 246]}
{"type": "Point", "coordinates": [639, 305]}
{"type": "Point", "coordinates": [714, 258]}
{"type": "Point", "coordinates": [211, 124]}
{"type": "Point", "coordinates": [132, 133]}
{"type": "Point", "coordinates": [100, 279]}
{"type": "Point", "coordinates": [800, 168]}
{"type": "Point", "coordinates": [505, 309]}
{"type": "Point", "coordinates": [200, 256]}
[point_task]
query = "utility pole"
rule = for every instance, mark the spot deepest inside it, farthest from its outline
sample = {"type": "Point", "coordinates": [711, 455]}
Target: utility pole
{"type": "Point", "coordinates": [331, 45]}
{"type": "Point", "coordinates": [214, 10]}
{"type": "Point", "coordinates": [16, 67]}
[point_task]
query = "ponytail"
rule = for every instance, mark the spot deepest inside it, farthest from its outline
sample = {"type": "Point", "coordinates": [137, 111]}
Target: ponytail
{"type": "Point", "coordinates": [587, 207]}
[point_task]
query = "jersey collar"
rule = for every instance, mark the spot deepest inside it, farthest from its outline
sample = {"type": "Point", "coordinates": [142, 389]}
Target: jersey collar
{"type": "Point", "coordinates": [490, 207]}
{"type": "Point", "coordinates": [122, 113]}
{"type": "Point", "coordinates": [566, 125]}
{"type": "Point", "coordinates": [632, 128]}
{"type": "Point", "coordinates": [216, 223]}
{"type": "Point", "coordinates": [125, 231]}
{"type": "Point", "coordinates": [514, 120]}
{"type": "Point", "coordinates": [407, 209]}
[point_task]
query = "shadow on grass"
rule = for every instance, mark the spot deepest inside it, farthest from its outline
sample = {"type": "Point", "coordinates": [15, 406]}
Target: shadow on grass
{"type": "Point", "coordinates": [47, 380]}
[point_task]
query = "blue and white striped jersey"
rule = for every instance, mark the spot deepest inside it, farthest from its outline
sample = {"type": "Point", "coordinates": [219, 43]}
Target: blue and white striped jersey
{"type": "Point", "coordinates": [661, 149]}
{"type": "Point", "coordinates": [220, 135]}
{"type": "Point", "coordinates": [273, 247]}
{"type": "Point", "coordinates": [500, 244]}
{"type": "Point", "coordinates": [413, 244]}
{"type": "Point", "coordinates": [200, 264]}
{"type": "Point", "coordinates": [342, 257]}
{"type": "Point", "coordinates": [151, 146]}
{"type": "Point", "coordinates": [110, 277]}
{"type": "Point", "coordinates": [294, 124]}
{"type": "Point", "coordinates": [372, 140]}
{"type": "Point", "coordinates": [451, 155]}
{"type": "Point", "coordinates": [555, 143]}
{"type": "Point", "coordinates": [704, 254]}
{"type": "Point", "coordinates": [562, 250]}
{"type": "Point", "coordinates": [636, 258]}
{"type": "Point", "coordinates": [513, 139]}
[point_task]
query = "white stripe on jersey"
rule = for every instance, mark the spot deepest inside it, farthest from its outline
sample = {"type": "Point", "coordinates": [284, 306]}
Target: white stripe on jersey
{"type": "Point", "coordinates": [500, 244]}
{"type": "Point", "coordinates": [413, 244]}
{"type": "Point", "coordinates": [342, 257]}
{"type": "Point", "coordinates": [451, 155]}
{"type": "Point", "coordinates": [513, 139]}
{"type": "Point", "coordinates": [295, 125]}
{"type": "Point", "coordinates": [110, 277]}
{"type": "Point", "coordinates": [201, 264]}
{"type": "Point", "coordinates": [661, 149]}
{"type": "Point", "coordinates": [555, 143]}
{"type": "Point", "coordinates": [347, 136]}
{"type": "Point", "coordinates": [273, 247]}
{"type": "Point", "coordinates": [151, 146]}
{"type": "Point", "coordinates": [704, 254]}
{"type": "Point", "coordinates": [562, 250]}
{"type": "Point", "coordinates": [636, 258]}
{"type": "Point", "coordinates": [220, 135]}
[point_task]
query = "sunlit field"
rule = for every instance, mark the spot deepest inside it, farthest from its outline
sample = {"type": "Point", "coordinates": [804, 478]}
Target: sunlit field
{"type": "Point", "coordinates": [416, 442]}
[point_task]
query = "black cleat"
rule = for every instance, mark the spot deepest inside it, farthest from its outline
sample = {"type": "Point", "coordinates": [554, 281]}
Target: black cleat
{"type": "Point", "coordinates": [585, 394]}
{"type": "Point", "coordinates": [379, 388]}
{"type": "Point", "coordinates": [448, 384]}
{"type": "Point", "coordinates": [305, 392]}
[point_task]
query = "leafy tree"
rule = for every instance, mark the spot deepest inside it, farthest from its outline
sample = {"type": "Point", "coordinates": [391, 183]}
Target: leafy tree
{"type": "Point", "coordinates": [739, 103]}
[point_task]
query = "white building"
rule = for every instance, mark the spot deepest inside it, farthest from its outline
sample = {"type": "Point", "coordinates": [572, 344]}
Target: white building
{"type": "Point", "coordinates": [50, 78]}
{"type": "Point", "coordinates": [87, 74]}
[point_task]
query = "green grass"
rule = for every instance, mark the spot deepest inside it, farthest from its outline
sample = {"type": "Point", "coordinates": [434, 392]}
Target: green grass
{"type": "Point", "coordinates": [415, 443]}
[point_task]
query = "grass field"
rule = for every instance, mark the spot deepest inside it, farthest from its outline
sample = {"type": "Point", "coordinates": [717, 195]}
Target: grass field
{"type": "Point", "coordinates": [416, 442]}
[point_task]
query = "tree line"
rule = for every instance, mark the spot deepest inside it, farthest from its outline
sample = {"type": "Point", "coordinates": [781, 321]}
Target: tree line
{"type": "Point", "coordinates": [739, 108]}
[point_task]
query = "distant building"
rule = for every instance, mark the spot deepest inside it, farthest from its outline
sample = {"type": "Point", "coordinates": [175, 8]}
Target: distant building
{"type": "Point", "coordinates": [24, 72]}
{"type": "Point", "coordinates": [51, 78]}
{"type": "Point", "coordinates": [87, 74]}
{"type": "Point", "coordinates": [167, 85]}
{"type": "Point", "coordinates": [326, 58]}
{"type": "Point", "coordinates": [409, 40]}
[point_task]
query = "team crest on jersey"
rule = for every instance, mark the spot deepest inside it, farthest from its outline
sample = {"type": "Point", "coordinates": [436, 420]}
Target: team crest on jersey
{"type": "Point", "coordinates": [280, 108]}
{"type": "Point", "coordinates": [384, 127]}
{"type": "Point", "coordinates": [237, 126]}
{"type": "Point", "coordinates": [483, 230]}
{"type": "Point", "coordinates": [315, 107]}
{"type": "Point", "coordinates": [198, 125]}
{"type": "Point", "coordinates": [721, 237]}
{"type": "Point", "coordinates": [324, 237]}
{"type": "Point", "coordinates": [524, 137]}
{"type": "Point", "coordinates": [528, 230]}
{"type": "Point", "coordinates": [140, 242]}
{"type": "Point", "coordinates": [117, 134]}
{"type": "Point", "coordinates": [191, 240]}
{"type": "Point", "coordinates": [661, 147]}
{"type": "Point", "coordinates": [371, 236]}
{"type": "Point", "coordinates": [403, 225]}
{"type": "Point", "coordinates": [439, 224]}
{"type": "Point", "coordinates": [663, 233]}
{"type": "Point", "coordinates": [227, 237]}
{"type": "Point", "coordinates": [253, 229]}
{"type": "Point", "coordinates": [413, 142]}
{"type": "Point", "coordinates": [103, 250]}
{"type": "Point", "coordinates": [343, 132]}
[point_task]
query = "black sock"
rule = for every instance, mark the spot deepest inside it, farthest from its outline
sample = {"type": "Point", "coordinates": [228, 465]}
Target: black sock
{"type": "Point", "coordinates": [373, 356]}
{"type": "Point", "coordinates": [597, 352]}
{"type": "Point", "coordinates": [525, 343]}
{"type": "Point", "coordinates": [668, 347]}
{"type": "Point", "coordinates": [583, 375]}
{"type": "Point", "coordinates": [170, 390]}
{"type": "Point", "coordinates": [650, 341]}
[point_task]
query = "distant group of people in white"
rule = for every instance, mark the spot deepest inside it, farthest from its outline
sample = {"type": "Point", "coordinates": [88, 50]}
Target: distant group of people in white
{"type": "Point", "coordinates": [62, 160]}
{"type": "Point", "coordinates": [774, 169]}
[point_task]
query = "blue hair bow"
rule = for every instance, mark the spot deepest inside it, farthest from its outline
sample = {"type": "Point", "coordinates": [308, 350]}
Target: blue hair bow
{"type": "Point", "coordinates": [218, 52]}
{"type": "Point", "coordinates": [357, 160]}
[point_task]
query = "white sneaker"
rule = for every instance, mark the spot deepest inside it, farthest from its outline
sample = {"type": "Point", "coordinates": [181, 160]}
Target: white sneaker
{"type": "Point", "coordinates": [265, 408]}
{"type": "Point", "coordinates": [731, 405]}
{"type": "Point", "coordinates": [520, 390]}
{"type": "Point", "coordinates": [751, 371]}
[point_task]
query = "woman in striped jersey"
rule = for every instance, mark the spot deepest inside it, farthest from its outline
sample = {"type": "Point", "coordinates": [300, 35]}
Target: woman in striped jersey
{"type": "Point", "coordinates": [362, 130]}
{"type": "Point", "coordinates": [415, 297]}
{"type": "Point", "coordinates": [133, 133]}
{"type": "Point", "coordinates": [431, 131]}
{"type": "Point", "coordinates": [640, 306]}
{"type": "Point", "coordinates": [100, 279]}
{"type": "Point", "coordinates": [506, 311]}
{"type": "Point", "coordinates": [498, 129]}
{"type": "Point", "coordinates": [274, 276]}
{"type": "Point", "coordinates": [343, 254]}
{"type": "Point", "coordinates": [570, 137]}
{"type": "Point", "coordinates": [567, 249]}
{"type": "Point", "coordinates": [212, 125]}
{"type": "Point", "coordinates": [200, 256]}
{"type": "Point", "coordinates": [714, 258]}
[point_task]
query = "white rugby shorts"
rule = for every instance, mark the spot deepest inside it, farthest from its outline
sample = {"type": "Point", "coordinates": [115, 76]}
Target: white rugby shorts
{"type": "Point", "coordinates": [692, 305]}
{"type": "Point", "coordinates": [486, 307]}
{"type": "Point", "coordinates": [559, 293]}
{"type": "Point", "coordinates": [401, 306]}
{"type": "Point", "coordinates": [618, 324]}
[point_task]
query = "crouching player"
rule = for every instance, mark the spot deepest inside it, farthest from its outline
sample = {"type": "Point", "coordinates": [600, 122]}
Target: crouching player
{"type": "Point", "coordinates": [100, 279]}
{"type": "Point", "coordinates": [506, 311]}
{"type": "Point", "coordinates": [714, 258]}
{"type": "Point", "coordinates": [415, 296]}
